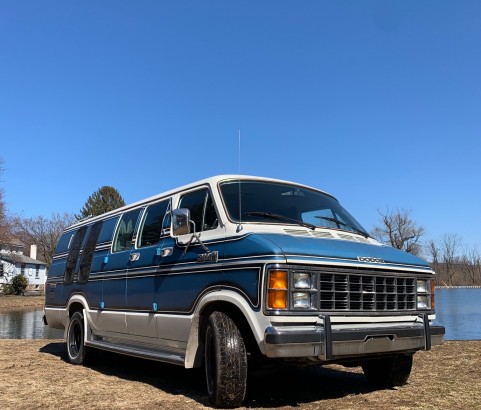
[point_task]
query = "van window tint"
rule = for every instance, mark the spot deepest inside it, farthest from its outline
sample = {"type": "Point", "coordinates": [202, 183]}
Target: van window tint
{"type": "Point", "coordinates": [125, 231]}
{"type": "Point", "coordinates": [63, 243]}
{"type": "Point", "coordinates": [210, 216]}
{"type": "Point", "coordinates": [88, 253]}
{"type": "Point", "coordinates": [108, 230]}
{"type": "Point", "coordinates": [152, 227]}
{"type": "Point", "coordinates": [73, 255]}
{"type": "Point", "coordinates": [202, 210]}
{"type": "Point", "coordinates": [261, 200]}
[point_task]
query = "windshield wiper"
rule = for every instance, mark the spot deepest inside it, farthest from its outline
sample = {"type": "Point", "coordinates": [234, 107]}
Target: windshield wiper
{"type": "Point", "coordinates": [338, 222]}
{"type": "Point", "coordinates": [281, 217]}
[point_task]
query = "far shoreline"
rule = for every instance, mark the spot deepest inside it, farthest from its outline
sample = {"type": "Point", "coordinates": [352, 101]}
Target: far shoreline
{"type": "Point", "coordinates": [9, 302]}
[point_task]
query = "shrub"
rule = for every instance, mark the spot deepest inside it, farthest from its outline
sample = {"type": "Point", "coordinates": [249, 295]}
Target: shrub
{"type": "Point", "coordinates": [19, 284]}
{"type": "Point", "coordinates": [8, 289]}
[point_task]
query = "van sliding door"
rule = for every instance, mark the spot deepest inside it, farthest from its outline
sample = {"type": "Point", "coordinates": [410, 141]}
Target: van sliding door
{"type": "Point", "coordinates": [145, 258]}
{"type": "Point", "coordinates": [114, 273]}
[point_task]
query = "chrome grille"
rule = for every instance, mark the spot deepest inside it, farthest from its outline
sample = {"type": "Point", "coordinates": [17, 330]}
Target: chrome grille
{"type": "Point", "coordinates": [366, 292]}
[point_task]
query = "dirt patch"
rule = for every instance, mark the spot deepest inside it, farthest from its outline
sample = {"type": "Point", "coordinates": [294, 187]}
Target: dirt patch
{"type": "Point", "coordinates": [18, 302]}
{"type": "Point", "coordinates": [36, 374]}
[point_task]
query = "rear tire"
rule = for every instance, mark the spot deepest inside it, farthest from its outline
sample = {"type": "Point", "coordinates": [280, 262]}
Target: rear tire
{"type": "Point", "coordinates": [388, 372]}
{"type": "Point", "coordinates": [225, 361]}
{"type": "Point", "coordinates": [76, 349]}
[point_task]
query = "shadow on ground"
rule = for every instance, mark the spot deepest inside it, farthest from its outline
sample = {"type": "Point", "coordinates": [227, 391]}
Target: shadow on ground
{"type": "Point", "coordinates": [279, 387]}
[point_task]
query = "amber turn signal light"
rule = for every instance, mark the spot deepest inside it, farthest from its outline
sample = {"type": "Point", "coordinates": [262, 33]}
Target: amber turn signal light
{"type": "Point", "coordinates": [278, 279]}
{"type": "Point", "coordinates": [277, 290]}
{"type": "Point", "coordinates": [433, 286]}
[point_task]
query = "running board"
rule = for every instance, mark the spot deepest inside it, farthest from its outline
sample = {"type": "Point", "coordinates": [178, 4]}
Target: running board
{"type": "Point", "coordinates": [150, 354]}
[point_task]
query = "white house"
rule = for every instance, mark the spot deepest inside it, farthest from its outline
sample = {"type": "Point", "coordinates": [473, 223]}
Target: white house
{"type": "Point", "coordinates": [14, 262]}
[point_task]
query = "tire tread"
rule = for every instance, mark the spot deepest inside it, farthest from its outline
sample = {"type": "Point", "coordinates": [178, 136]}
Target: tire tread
{"type": "Point", "coordinates": [231, 380]}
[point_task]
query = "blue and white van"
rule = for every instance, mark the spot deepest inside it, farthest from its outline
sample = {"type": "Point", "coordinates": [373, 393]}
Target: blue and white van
{"type": "Point", "coordinates": [233, 271]}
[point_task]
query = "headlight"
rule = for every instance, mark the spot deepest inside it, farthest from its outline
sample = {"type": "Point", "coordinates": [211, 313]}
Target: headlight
{"type": "Point", "coordinates": [425, 294]}
{"type": "Point", "coordinates": [423, 302]}
{"type": "Point", "coordinates": [302, 280]}
{"type": "Point", "coordinates": [422, 286]}
{"type": "Point", "coordinates": [301, 300]}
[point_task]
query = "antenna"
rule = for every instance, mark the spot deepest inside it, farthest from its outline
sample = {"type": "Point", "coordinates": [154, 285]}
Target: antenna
{"type": "Point", "coordinates": [239, 226]}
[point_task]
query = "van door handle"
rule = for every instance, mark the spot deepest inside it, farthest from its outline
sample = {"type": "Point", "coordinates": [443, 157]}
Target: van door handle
{"type": "Point", "coordinates": [167, 252]}
{"type": "Point", "coordinates": [134, 257]}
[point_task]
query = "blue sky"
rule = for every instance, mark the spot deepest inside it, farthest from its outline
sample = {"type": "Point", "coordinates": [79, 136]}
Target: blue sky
{"type": "Point", "coordinates": [376, 102]}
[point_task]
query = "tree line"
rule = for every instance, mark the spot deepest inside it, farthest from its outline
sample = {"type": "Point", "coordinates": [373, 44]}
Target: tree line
{"type": "Point", "coordinates": [455, 263]}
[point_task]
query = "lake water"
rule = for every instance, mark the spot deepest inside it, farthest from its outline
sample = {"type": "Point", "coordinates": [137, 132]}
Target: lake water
{"type": "Point", "coordinates": [459, 310]}
{"type": "Point", "coordinates": [26, 324]}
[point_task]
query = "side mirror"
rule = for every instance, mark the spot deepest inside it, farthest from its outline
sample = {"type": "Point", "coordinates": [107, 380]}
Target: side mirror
{"type": "Point", "coordinates": [180, 221]}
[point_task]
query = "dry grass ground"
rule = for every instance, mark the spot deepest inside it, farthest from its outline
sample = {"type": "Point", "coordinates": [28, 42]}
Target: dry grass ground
{"type": "Point", "coordinates": [16, 302]}
{"type": "Point", "coordinates": [36, 375]}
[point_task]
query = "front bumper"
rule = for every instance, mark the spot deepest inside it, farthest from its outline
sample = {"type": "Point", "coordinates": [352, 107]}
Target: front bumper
{"type": "Point", "coordinates": [329, 342]}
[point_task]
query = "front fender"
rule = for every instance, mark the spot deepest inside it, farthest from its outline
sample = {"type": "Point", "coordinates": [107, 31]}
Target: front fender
{"type": "Point", "coordinates": [256, 320]}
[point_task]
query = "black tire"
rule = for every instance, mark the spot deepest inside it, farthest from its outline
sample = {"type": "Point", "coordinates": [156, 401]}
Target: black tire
{"type": "Point", "coordinates": [388, 372]}
{"type": "Point", "coordinates": [76, 349]}
{"type": "Point", "coordinates": [225, 361]}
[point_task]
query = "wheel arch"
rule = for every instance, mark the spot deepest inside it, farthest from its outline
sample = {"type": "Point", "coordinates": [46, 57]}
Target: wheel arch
{"type": "Point", "coordinates": [77, 303]}
{"type": "Point", "coordinates": [245, 317]}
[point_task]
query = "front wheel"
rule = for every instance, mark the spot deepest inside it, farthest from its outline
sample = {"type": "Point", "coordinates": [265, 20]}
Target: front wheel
{"type": "Point", "coordinates": [225, 361]}
{"type": "Point", "coordinates": [388, 372]}
{"type": "Point", "coordinates": [76, 349]}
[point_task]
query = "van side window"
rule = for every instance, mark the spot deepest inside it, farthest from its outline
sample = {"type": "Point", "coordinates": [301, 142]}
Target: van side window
{"type": "Point", "coordinates": [108, 228]}
{"type": "Point", "coordinates": [202, 210]}
{"type": "Point", "coordinates": [151, 230]}
{"type": "Point", "coordinates": [64, 242]}
{"type": "Point", "coordinates": [88, 252]}
{"type": "Point", "coordinates": [73, 255]}
{"type": "Point", "coordinates": [210, 216]}
{"type": "Point", "coordinates": [125, 231]}
{"type": "Point", "coordinates": [166, 222]}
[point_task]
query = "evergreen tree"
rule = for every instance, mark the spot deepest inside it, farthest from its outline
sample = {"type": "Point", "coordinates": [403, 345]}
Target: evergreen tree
{"type": "Point", "coordinates": [103, 200]}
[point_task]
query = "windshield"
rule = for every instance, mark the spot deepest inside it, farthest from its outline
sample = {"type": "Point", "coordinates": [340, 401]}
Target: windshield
{"type": "Point", "coordinates": [280, 203]}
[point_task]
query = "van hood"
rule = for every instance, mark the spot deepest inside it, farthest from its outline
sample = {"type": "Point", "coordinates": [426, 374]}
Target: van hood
{"type": "Point", "coordinates": [304, 249]}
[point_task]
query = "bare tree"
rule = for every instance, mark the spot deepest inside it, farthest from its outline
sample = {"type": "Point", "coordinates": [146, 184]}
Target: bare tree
{"type": "Point", "coordinates": [432, 252]}
{"type": "Point", "coordinates": [472, 265]}
{"type": "Point", "coordinates": [4, 223]}
{"type": "Point", "coordinates": [450, 245]}
{"type": "Point", "coordinates": [399, 230]}
{"type": "Point", "coordinates": [41, 231]}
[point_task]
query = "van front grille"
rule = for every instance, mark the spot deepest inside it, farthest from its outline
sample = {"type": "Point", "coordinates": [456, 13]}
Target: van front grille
{"type": "Point", "coordinates": [365, 292]}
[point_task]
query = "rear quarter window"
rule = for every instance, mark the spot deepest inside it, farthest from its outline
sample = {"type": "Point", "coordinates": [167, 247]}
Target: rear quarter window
{"type": "Point", "coordinates": [73, 255]}
{"type": "Point", "coordinates": [88, 252]}
{"type": "Point", "coordinates": [63, 242]}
